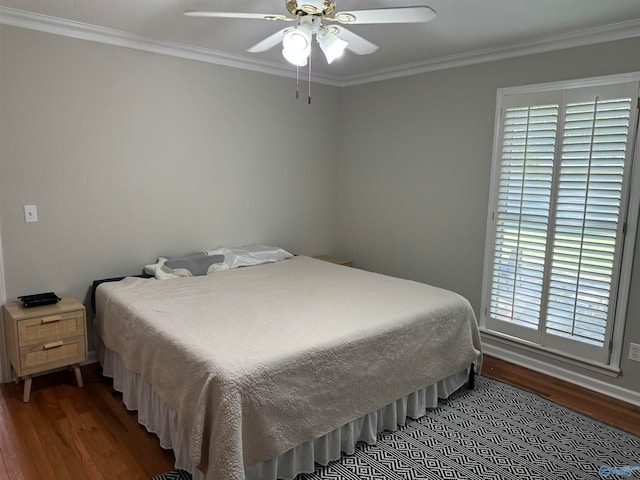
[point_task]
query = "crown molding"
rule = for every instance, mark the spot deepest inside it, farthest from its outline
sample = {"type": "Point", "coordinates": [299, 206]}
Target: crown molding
{"type": "Point", "coordinates": [84, 31]}
{"type": "Point", "coordinates": [69, 28]}
{"type": "Point", "coordinates": [607, 33]}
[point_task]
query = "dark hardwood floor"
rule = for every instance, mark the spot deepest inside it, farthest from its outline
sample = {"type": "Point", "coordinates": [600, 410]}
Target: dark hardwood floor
{"type": "Point", "coordinates": [72, 433]}
{"type": "Point", "coordinates": [588, 402]}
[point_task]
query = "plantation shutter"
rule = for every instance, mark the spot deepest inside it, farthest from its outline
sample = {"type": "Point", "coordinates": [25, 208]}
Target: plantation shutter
{"type": "Point", "coordinates": [524, 198]}
{"type": "Point", "coordinates": [563, 161]}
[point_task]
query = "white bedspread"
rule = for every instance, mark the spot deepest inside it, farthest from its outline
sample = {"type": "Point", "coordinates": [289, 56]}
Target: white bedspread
{"type": "Point", "coordinates": [261, 359]}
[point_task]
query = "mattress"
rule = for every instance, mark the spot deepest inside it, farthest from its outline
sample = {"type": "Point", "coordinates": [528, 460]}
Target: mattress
{"type": "Point", "coordinates": [258, 360]}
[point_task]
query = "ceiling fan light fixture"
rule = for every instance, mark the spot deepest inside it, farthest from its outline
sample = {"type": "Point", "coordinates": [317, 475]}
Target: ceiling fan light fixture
{"type": "Point", "coordinates": [299, 59]}
{"type": "Point", "coordinates": [298, 40]}
{"type": "Point", "coordinates": [296, 44]}
{"type": "Point", "coordinates": [331, 45]}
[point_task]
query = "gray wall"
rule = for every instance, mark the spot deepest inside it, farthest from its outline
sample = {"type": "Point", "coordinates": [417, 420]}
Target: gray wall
{"type": "Point", "coordinates": [415, 163]}
{"type": "Point", "coordinates": [130, 155]}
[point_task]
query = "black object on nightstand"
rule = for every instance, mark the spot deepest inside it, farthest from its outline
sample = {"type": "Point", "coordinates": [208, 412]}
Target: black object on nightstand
{"type": "Point", "coordinates": [39, 299]}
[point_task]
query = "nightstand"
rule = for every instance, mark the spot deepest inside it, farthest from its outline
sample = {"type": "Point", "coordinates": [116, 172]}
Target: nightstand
{"type": "Point", "coordinates": [339, 261]}
{"type": "Point", "coordinates": [44, 338]}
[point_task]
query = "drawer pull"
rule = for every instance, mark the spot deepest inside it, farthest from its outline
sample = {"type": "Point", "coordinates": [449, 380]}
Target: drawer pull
{"type": "Point", "coordinates": [49, 346]}
{"type": "Point", "coordinates": [50, 319]}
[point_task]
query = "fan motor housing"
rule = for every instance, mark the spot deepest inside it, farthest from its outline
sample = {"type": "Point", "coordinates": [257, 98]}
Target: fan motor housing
{"type": "Point", "coordinates": [310, 7]}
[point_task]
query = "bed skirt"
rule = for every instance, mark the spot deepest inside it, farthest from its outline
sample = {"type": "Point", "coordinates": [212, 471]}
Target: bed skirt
{"type": "Point", "coordinates": [157, 417]}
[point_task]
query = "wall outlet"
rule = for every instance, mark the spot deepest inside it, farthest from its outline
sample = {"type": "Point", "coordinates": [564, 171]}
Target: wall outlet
{"type": "Point", "coordinates": [634, 352]}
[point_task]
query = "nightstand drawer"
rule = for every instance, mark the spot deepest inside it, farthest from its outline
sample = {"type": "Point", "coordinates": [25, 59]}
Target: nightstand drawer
{"type": "Point", "coordinates": [53, 354]}
{"type": "Point", "coordinates": [50, 327]}
{"type": "Point", "coordinates": [46, 337]}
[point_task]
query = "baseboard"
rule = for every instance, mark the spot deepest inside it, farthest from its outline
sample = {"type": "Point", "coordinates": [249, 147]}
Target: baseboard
{"type": "Point", "coordinates": [575, 378]}
{"type": "Point", "coordinates": [92, 357]}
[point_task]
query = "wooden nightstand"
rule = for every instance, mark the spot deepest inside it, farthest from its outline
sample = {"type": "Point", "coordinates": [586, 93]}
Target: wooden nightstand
{"type": "Point", "coordinates": [44, 338]}
{"type": "Point", "coordinates": [339, 261]}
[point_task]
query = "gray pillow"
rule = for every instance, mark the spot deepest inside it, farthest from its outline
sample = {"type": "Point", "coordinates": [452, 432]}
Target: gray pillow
{"type": "Point", "coordinates": [197, 263]}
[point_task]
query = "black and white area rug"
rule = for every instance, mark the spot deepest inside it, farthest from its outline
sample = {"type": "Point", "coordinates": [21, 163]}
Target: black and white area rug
{"type": "Point", "coordinates": [495, 431]}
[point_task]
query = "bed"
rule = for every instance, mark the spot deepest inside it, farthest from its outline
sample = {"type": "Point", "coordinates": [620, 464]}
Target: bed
{"type": "Point", "coordinates": [260, 372]}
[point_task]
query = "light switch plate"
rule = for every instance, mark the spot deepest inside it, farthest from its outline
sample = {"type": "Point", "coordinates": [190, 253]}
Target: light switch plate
{"type": "Point", "coordinates": [30, 214]}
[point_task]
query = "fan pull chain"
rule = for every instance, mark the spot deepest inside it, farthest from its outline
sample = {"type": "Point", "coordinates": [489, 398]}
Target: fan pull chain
{"type": "Point", "coordinates": [297, 82]}
{"type": "Point", "coordinates": [309, 97]}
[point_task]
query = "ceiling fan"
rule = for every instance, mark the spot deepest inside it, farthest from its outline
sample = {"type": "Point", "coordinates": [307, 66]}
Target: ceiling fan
{"type": "Point", "coordinates": [317, 17]}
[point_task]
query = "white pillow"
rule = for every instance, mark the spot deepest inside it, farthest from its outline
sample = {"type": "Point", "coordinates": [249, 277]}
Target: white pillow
{"type": "Point", "coordinates": [248, 255]}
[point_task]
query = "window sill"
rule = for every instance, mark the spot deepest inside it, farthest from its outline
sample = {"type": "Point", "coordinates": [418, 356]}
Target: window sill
{"type": "Point", "coordinates": [522, 347]}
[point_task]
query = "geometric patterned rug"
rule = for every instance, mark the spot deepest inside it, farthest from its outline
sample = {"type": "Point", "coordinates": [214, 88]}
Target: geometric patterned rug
{"type": "Point", "coordinates": [495, 431]}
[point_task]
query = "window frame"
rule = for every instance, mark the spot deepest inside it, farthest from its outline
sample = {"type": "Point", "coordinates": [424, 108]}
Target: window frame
{"type": "Point", "coordinates": [629, 217]}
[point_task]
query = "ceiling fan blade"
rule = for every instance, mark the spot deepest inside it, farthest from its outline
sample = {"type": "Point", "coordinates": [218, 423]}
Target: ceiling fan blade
{"type": "Point", "coordinates": [386, 15]}
{"type": "Point", "coordinates": [357, 44]}
{"type": "Point", "coordinates": [256, 16]}
{"type": "Point", "coordinates": [269, 42]}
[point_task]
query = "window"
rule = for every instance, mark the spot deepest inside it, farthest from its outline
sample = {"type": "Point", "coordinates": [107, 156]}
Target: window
{"type": "Point", "coordinates": [560, 188]}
